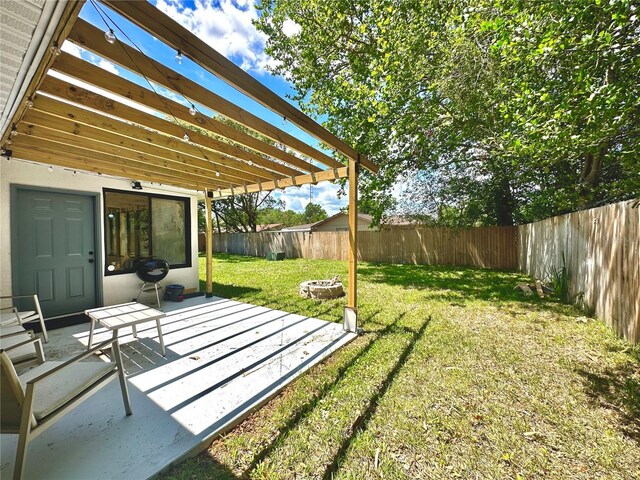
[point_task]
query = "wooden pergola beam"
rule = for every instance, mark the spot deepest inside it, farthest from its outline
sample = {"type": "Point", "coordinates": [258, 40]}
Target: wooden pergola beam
{"type": "Point", "coordinates": [209, 245]}
{"type": "Point", "coordinates": [117, 164]}
{"type": "Point", "coordinates": [45, 126]}
{"type": "Point", "coordinates": [350, 321]}
{"type": "Point", "coordinates": [86, 72]}
{"type": "Point", "coordinates": [163, 27]}
{"type": "Point", "coordinates": [332, 174]}
{"type": "Point", "coordinates": [222, 153]}
{"type": "Point", "coordinates": [97, 163]}
{"type": "Point", "coordinates": [87, 36]}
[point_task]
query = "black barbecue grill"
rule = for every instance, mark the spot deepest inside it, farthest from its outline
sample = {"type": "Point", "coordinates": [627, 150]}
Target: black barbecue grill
{"type": "Point", "coordinates": [151, 270]}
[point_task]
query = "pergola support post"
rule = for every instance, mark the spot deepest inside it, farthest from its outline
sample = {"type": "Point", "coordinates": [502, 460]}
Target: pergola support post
{"type": "Point", "coordinates": [209, 256]}
{"type": "Point", "coordinates": [350, 319]}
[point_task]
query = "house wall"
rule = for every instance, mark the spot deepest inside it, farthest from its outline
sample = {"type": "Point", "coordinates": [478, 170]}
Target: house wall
{"type": "Point", "coordinates": [341, 224]}
{"type": "Point", "coordinates": [113, 289]}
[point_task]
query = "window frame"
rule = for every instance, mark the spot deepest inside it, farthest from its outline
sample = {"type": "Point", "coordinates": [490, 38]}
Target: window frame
{"type": "Point", "coordinates": [150, 196]}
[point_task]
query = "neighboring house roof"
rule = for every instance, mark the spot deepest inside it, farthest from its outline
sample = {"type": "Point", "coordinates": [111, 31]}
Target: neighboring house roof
{"type": "Point", "coordinates": [268, 227]}
{"type": "Point", "coordinates": [311, 227]}
{"type": "Point", "coordinates": [299, 228]}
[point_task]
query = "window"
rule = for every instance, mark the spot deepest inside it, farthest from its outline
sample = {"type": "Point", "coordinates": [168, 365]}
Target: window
{"type": "Point", "coordinates": [141, 225]}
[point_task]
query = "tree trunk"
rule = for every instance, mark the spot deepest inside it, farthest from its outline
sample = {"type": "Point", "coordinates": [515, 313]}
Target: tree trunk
{"type": "Point", "coordinates": [590, 176]}
{"type": "Point", "coordinates": [503, 201]}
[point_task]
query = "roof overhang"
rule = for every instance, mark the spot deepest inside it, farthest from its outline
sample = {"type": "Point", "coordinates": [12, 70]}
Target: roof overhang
{"type": "Point", "coordinates": [79, 116]}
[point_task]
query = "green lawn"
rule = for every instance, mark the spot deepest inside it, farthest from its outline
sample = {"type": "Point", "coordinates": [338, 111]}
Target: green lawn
{"type": "Point", "coordinates": [457, 376]}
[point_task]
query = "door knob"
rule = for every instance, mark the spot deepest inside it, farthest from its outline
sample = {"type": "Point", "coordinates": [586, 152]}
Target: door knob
{"type": "Point", "coordinates": [91, 260]}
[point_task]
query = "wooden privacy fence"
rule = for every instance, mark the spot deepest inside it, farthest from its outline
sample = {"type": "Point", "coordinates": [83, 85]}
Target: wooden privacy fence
{"type": "Point", "coordinates": [601, 249]}
{"type": "Point", "coordinates": [489, 247]}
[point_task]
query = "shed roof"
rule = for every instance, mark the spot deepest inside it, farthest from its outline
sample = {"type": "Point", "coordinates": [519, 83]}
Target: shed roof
{"type": "Point", "coordinates": [76, 115]}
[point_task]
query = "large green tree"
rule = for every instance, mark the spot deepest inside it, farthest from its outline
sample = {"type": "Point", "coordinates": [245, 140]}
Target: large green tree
{"type": "Point", "coordinates": [240, 213]}
{"type": "Point", "coordinates": [491, 111]}
{"type": "Point", "coordinates": [313, 212]}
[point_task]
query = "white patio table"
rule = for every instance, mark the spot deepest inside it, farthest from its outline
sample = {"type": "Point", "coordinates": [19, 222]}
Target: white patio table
{"type": "Point", "coordinates": [130, 314]}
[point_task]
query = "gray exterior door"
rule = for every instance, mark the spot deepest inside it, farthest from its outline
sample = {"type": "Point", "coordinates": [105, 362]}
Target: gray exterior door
{"type": "Point", "coordinates": [53, 250]}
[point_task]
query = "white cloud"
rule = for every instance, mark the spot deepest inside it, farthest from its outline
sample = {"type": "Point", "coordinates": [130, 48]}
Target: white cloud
{"type": "Point", "coordinates": [72, 49]}
{"type": "Point", "coordinates": [226, 25]}
{"type": "Point", "coordinates": [108, 66]}
{"type": "Point", "coordinates": [325, 194]}
{"type": "Point", "coordinates": [290, 28]}
{"type": "Point", "coordinates": [79, 52]}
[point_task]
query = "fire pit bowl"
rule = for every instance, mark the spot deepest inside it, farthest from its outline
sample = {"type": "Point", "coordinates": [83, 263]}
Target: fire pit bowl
{"type": "Point", "coordinates": [322, 289]}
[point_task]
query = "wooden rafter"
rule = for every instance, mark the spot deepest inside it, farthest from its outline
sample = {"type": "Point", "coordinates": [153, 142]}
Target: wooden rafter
{"type": "Point", "coordinates": [216, 151]}
{"type": "Point", "coordinates": [121, 159]}
{"type": "Point", "coordinates": [136, 139]}
{"type": "Point", "coordinates": [45, 127]}
{"type": "Point", "coordinates": [86, 72]}
{"type": "Point", "coordinates": [163, 27]}
{"type": "Point", "coordinates": [331, 174]}
{"type": "Point", "coordinates": [52, 154]}
{"type": "Point", "coordinates": [87, 36]}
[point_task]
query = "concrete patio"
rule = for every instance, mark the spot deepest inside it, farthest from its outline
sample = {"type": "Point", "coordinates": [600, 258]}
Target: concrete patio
{"type": "Point", "coordinates": [224, 359]}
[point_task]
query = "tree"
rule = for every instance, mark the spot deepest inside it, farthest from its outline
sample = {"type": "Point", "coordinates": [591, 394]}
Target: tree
{"type": "Point", "coordinates": [502, 111]}
{"type": "Point", "coordinates": [240, 213]}
{"type": "Point", "coordinates": [313, 213]}
{"type": "Point", "coordinates": [278, 214]}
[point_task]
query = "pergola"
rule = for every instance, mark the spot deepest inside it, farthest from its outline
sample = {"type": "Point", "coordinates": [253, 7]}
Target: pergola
{"type": "Point", "coordinates": [59, 122]}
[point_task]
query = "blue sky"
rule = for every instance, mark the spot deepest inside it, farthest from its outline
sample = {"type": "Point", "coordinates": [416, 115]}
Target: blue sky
{"type": "Point", "coordinates": [226, 25]}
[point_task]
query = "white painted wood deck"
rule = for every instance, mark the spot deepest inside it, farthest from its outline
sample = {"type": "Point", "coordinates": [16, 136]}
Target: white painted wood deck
{"type": "Point", "coordinates": [224, 359]}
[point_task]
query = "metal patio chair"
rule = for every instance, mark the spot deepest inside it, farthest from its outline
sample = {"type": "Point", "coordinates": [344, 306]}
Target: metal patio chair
{"type": "Point", "coordinates": [11, 315]}
{"type": "Point", "coordinates": [23, 348]}
{"type": "Point", "coordinates": [34, 400]}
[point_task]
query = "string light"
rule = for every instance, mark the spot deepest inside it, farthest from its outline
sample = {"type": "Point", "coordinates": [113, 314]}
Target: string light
{"type": "Point", "coordinates": [50, 169]}
{"type": "Point", "coordinates": [217, 173]}
{"type": "Point", "coordinates": [14, 131]}
{"type": "Point", "coordinates": [193, 110]}
{"type": "Point", "coordinates": [8, 141]}
{"type": "Point", "coordinates": [186, 137]}
{"type": "Point", "coordinates": [109, 36]}
{"type": "Point", "coordinates": [250, 163]}
{"type": "Point", "coordinates": [29, 102]}
{"type": "Point", "coordinates": [55, 49]}
{"type": "Point", "coordinates": [179, 57]}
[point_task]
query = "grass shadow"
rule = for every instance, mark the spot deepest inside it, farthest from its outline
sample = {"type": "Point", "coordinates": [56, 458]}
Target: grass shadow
{"type": "Point", "coordinates": [304, 410]}
{"type": "Point", "coordinates": [202, 466]}
{"type": "Point", "coordinates": [473, 283]}
{"type": "Point", "coordinates": [617, 389]}
{"type": "Point", "coordinates": [232, 258]}
{"type": "Point", "coordinates": [230, 291]}
{"type": "Point", "coordinates": [363, 419]}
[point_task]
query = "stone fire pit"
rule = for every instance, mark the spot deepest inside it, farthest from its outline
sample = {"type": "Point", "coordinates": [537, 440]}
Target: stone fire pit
{"type": "Point", "coordinates": [322, 289]}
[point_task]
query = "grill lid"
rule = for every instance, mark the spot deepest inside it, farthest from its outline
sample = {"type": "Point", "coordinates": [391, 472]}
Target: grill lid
{"type": "Point", "coordinates": [152, 269]}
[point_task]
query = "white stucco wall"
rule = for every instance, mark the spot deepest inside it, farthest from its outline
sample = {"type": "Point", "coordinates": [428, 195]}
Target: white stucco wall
{"type": "Point", "coordinates": [112, 289]}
